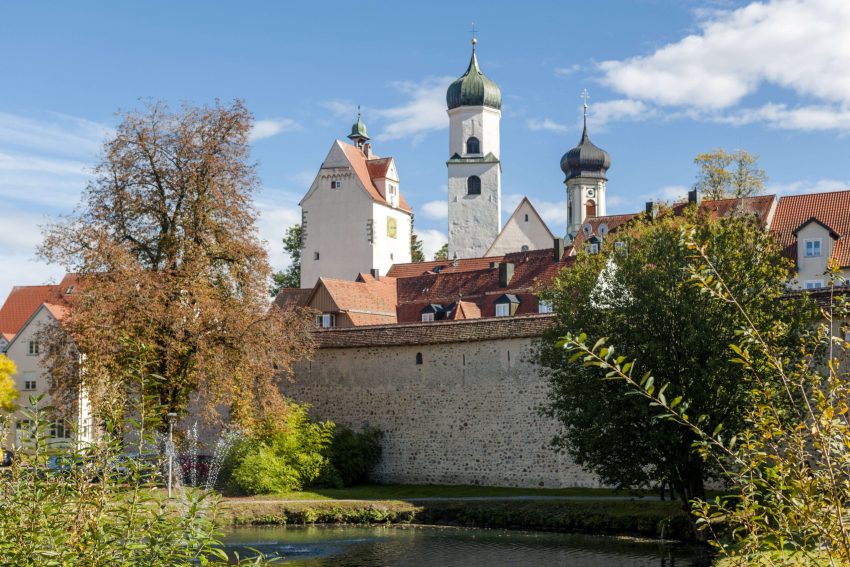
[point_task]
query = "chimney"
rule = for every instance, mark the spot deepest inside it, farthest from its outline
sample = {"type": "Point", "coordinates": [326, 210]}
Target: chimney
{"type": "Point", "coordinates": [506, 273]}
{"type": "Point", "coordinates": [558, 253]}
{"type": "Point", "coordinates": [367, 150]}
{"type": "Point", "coordinates": [650, 208]}
{"type": "Point", "coordinates": [376, 273]}
{"type": "Point", "coordinates": [694, 197]}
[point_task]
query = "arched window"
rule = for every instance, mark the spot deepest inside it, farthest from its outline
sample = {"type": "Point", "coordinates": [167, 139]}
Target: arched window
{"type": "Point", "coordinates": [418, 358]}
{"type": "Point", "coordinates": [473, 185]}
{"type": "Point", "coordinates": [590, 208]}
{"type": "Point", "coordinates": [473, 146]}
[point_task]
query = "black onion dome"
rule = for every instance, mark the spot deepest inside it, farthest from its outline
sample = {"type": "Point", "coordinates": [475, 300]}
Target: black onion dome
{"type": "Point", "coordinates": [586, 160]}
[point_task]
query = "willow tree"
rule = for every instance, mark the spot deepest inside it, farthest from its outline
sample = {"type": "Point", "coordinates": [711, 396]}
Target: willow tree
{"type": "Point", "coordinates": [166, 247]}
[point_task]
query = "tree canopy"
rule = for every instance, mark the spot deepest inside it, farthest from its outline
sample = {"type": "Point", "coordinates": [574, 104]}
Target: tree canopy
{"type": "Point", "coordinates": [293, 242]}
{"type": "Point", "coordinates": [442, 253]}
{"type": "Point", "coordinates": [8, 392]}
{"type": "Point", "coordinates": [168, 256]}
{"type": "Point", "coordinates": [724, 175]}
{"type": "Point", "coordinates": [416, 253]}
{"type": "Point", "coordinates": [634, 294]}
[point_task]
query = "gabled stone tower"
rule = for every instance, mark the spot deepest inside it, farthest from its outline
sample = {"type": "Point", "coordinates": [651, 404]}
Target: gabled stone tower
{"type": "Point", "coordinates": [475, 194]}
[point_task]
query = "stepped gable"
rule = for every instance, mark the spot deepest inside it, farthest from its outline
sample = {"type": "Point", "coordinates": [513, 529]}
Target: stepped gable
{"type": "Point", "coordinates": [830, 209]}
{"type": "Point", "coordinates": [23, 301]}
{"type": "Point", "coordinates": [437, 332]}
{"type": "Point", "coordinates": [366, 173]}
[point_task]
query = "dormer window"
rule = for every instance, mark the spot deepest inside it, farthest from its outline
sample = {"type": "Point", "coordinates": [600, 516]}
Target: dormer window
{"type": "Point", "coordinates": [433, 312]}
{"type": "Point", "coordinates": [473, 146]}
{"type": "Point", "coordinates": [507, 305]}
{"type": "Point", "coordinates": [813, 248]}
{"type": "Point", "coordinates": [593, 245]}
{"type": "Point", "coordinates": [473, 185]}
{"type": "Point", "coordinates": [326, 320]}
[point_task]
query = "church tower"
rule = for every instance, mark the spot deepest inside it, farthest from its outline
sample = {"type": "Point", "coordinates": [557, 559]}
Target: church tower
{"type": "Point", "coordinates": [585, 167]}
{"type": "Point", "coordinates": [475, 194]}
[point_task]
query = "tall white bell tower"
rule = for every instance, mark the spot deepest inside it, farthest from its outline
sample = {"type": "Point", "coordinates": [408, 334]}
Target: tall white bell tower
{"type": "Point", "coordinates": [475, 193]}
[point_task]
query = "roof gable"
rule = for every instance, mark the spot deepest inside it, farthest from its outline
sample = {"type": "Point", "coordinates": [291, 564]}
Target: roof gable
{"type": "Point", "coordinates": [52, 310]}
{"type": "Point", "coordinates": [832, 233]}
{"type": "Point", "coordinates": [23, 301]}
{"type": "Point", "coordinates": [829, 209]}
{"type": "Point", "coordinates": [517, 228]}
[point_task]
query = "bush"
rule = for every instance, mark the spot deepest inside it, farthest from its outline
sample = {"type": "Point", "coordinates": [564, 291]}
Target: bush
{"type": "Point", "coordinates": [354, 455]}
{"type": "Point", "coordinates": [298, 453]}
{"type": "Point", "coordinates": [281, 457]}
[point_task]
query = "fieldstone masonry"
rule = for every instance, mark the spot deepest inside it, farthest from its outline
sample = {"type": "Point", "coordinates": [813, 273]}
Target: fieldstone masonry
{"type": "Point", "coordinates": [468, 414]}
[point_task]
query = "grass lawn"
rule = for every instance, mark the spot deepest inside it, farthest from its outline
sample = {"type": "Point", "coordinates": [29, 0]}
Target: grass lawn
{"type": "Point", "coordinates": [403, 491]}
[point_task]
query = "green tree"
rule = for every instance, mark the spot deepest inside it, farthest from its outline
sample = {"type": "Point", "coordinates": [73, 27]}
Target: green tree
{"type": "Point", "coordinates": [633, 296]}
{"type": "Point", "coordinates": [786, 470]}
{"type": "Point", "coordinates": [442, 253]}
{"type": "Point", "coordinates": [293, 243]}
{"type": "Point", "coordinates": [416, 253]}
{"type": "Point", "coordinates": [8, 392]}
{"type": "Point", "coordinates": [724, 175]}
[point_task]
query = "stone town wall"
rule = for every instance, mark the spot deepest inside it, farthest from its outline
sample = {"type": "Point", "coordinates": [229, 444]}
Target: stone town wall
{"type": "Point", "coordinates": [468, 414]}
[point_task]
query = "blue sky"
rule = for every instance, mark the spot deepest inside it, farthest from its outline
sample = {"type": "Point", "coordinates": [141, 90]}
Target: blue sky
{"type": "Point", "coordinates": [667, 79]}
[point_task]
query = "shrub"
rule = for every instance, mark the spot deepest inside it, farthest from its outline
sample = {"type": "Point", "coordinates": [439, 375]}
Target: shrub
{"type": "Point", "coordinates": [281, 457]}
{"type": "Point", "coordinates": [354, 455]}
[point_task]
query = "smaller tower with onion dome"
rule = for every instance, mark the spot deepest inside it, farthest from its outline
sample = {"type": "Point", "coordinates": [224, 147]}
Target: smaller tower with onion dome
{"type": "Point", "coordinates": [585, 167]}
{"type": "Point", "coordinates": [475, 195]}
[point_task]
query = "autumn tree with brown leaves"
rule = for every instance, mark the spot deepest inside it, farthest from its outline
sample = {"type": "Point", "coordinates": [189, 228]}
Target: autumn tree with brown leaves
{"type": "Point", "coordinates": [168, 256]}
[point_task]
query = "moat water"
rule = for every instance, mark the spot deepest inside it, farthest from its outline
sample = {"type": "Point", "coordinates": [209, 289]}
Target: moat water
{"type": "Point", "coordinates": [452, 547]}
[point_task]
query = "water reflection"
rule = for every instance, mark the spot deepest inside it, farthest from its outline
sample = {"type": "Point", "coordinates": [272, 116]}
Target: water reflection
{"type": "Point", "coordinates": [450, 547]}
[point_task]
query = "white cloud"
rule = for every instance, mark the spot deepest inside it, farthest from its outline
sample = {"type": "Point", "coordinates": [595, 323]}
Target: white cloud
{"type": "Point", "coordinates": [615, 110]}
{"type": "Point", "coordinates": [263, 129]}
{"type": "Point", "coordinates": [817, 117]}
{"type": "Point", "coordinates": [19, 238]}
{"type": "Point", "coordinates": [800, 46]}
{"type": "Point", "coordinates": [807, 186]}
{"type": "Point", "coordinates": [60, 134]}
{"type": "Point", "coordinates": [432, 240]}
{"type": "Point", "coordinates": [436, 210]}
{"type": "Point", "coordinates": [424, 112]}
{"type": "Point", "coordinates": [545, 124]}
{"type": "Point", "coordinates": [275, 217]}
{"type": "Point", "coordinates": [567, 71]}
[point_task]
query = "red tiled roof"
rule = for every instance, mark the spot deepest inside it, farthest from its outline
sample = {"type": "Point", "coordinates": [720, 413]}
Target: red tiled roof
{"type": "Point", "coordinates": [378, 167]}
{"type": "Point", "coordinates": [831, 209]}
{"type": "Point", "coordinates": [293, 297]}
{"type": "Point", "coordinates": [376, 297]}
{"type": "Point", "coordinates": [359, 163]}
{"type": "Point", "coordinates": [480, 287]}
{"type": "Point", "coordinates": [466, 310]}
{"type": "Point", "coordinates": [468, 330]}
{"type": "Point", "coordinates": [23, 301]}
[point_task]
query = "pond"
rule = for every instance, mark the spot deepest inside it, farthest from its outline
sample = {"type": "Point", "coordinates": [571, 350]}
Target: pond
{"type": "Point", "coordinates": [414, 546]}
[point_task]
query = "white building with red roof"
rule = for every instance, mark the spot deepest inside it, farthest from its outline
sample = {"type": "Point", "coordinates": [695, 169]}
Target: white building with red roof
{"type": "Point", "coordinates": [354, 217]}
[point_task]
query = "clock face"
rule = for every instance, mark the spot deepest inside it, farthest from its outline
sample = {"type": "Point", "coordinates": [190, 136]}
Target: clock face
{"type": "Point", "coordinates": [591, 192]}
